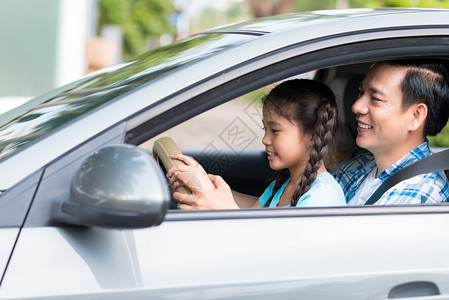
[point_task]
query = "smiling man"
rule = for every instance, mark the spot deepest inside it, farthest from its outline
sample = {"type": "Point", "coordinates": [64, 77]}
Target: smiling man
{"type": "Point", "coordinates": [400, 103]}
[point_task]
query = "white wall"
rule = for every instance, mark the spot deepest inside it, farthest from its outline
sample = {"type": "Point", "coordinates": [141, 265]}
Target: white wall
{"type": "Point", "coordinates": [42, 44]}
{"type": "Point", "coordinates": [73, 30]}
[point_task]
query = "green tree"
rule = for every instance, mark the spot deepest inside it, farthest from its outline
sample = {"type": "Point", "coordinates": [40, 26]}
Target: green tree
{"type": "Point", "coordinates": [400, 3]}
{"type": "Point", "coordinates": [273, 7]}
{"type": "Point", "coordinates": [309, 5]}
{"type": "Point", "coordinates": [139, 19]}
{"type": "Point", "coordinates": [441, 139]}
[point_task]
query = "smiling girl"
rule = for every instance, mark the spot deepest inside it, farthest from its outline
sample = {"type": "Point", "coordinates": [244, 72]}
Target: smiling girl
{"type": "Point", "coordinates": [300, 121]}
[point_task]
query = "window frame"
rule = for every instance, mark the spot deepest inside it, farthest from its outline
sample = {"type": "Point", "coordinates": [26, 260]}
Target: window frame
{"type": "Point", "coordinates": [345, 54]}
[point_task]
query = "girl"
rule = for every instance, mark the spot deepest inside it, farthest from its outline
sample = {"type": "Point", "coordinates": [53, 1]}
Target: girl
{"type": "Point", "coordinates": [300, 120]}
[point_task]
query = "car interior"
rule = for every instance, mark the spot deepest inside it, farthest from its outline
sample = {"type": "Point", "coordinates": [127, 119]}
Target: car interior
{"type": "Point", "coordinates": [235, 151]}
{"type": "Point", "coordinates": [226, 140]}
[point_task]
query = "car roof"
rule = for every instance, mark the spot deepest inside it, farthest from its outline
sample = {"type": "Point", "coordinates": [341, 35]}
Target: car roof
{"type": "Point", "coordinates": [234, 44]}
{"type": "Point", "coordinates": [366, 18]}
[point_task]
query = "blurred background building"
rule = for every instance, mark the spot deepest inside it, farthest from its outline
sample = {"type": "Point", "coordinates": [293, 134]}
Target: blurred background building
{"type": "Point", "coordinates": [47, 43]}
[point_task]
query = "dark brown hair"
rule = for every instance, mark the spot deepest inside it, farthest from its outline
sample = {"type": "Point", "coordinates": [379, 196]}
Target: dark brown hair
{"type": "Point", "coordinates": [310, 105]}
{"type": "Point", "coordinates": [426, 81]}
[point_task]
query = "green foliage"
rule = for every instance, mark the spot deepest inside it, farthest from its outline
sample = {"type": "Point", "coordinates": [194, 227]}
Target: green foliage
{"type": "Point", "coordinates": [139, 19]}
{"type": "Point", "coordinates": [309, 5]}
{"type": "Point", "coordinates": [238, 11]}
{"type": "Point", "coordinates": [441, 139]}
{"type": "Point", "coordinates": [207, 19]}
{"type": "Point", "coordinates": [400, 3]}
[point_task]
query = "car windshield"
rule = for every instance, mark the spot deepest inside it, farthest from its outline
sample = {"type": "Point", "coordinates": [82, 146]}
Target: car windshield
{"type": "Point", "coordinates": [42, 115]}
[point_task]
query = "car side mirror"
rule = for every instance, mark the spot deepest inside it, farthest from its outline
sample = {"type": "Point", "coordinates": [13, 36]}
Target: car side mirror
{"type": "Point", "coordinates": [118, 186]}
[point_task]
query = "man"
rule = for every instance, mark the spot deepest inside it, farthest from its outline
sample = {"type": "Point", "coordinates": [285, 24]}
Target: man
{"type": "Point", "coordinates": [400, 103]}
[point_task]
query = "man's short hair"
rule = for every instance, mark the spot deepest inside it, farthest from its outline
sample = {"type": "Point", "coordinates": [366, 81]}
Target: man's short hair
{"type": "Point", "coordinates": [426, 81]}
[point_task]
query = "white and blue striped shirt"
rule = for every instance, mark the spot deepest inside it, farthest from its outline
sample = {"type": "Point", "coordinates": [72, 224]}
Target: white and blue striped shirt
{"type": "Point", "coordinates": [430, 188]}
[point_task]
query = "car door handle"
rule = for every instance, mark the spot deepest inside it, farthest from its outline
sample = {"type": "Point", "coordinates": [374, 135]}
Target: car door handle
{"type": "Point", "coordinates": [416, 290]}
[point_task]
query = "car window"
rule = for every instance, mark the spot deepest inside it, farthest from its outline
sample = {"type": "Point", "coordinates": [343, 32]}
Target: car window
{"type": "Point", "coordinates": [42, 115]}
{"type": "Point", "coordinates": [216, 142]}
{"type": "Point", "coordinates": [235, 125]}
{"type": "Point", "coordinates": [227, 141]}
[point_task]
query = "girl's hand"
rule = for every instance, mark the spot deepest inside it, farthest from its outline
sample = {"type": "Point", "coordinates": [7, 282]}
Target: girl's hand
{"type": "Point", "coordinates": [195, 177]}
{"type": "Point", "coordinates": [218, 198]}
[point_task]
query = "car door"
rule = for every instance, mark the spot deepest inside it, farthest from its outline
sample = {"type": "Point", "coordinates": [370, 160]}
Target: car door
{"type": "Point", "coordinates": [310, 253]}
{"type": "Point", "coordinates": [340, 253]}
{"type": "Point", "coordinates": [14, 205]}
{"type": "Point", "coordinates": [307, 253]}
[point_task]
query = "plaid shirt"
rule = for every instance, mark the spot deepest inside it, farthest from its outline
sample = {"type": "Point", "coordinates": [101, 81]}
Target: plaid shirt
{"type": "Point", "coordinates": [433, 187]}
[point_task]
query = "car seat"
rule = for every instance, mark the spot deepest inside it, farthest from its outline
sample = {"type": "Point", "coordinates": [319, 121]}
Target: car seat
{"type": "Point", "coordinates": [346, 90]}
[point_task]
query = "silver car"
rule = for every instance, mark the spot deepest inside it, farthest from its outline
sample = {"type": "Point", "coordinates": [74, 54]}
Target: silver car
{"type": "Point", "coordinates": [85, 211]}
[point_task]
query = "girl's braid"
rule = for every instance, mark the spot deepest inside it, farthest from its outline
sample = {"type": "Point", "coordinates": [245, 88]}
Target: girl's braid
{"type": "Point", "coordinates": [281, 177]}
{"type": "Point", "coordinates": [322, 140]}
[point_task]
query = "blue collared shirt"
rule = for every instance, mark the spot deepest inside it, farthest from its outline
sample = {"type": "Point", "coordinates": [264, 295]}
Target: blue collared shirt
{"type": "Point", "coordinates": [431, 188]}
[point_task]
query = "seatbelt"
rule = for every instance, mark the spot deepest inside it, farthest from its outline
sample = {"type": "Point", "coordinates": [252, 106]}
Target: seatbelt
{"type": "Point", "coordinates": [433, 163]}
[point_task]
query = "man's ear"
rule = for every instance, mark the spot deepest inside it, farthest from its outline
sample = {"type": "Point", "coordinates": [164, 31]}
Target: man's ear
{"type": "Point", "coordinates": [418, 116]}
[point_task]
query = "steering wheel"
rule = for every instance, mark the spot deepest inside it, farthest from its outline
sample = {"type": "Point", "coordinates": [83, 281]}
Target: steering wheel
{"type": "Point", "coordinates": [162, 149]}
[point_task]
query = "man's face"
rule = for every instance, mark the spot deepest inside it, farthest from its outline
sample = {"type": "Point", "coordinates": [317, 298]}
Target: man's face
{"type": "Point", "coordinates": [383, 125]}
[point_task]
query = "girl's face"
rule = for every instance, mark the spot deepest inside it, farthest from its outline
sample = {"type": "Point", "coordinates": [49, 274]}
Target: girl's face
{"type": "Point", "coordinates": [287, 146]}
